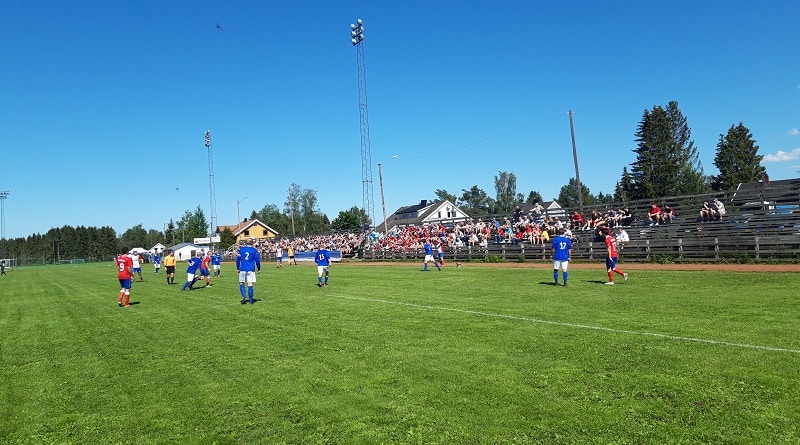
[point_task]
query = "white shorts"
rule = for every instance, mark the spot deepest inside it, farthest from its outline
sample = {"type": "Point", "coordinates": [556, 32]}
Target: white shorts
{"type": "Point", "coordinates": [563, 265]}
{"type": "Point", "coordinates": [190, 277]}
{"type": "Point", "coordinates": [216, 266]}
{"type": "Point", "coordinates": [428, 258]}
{"type": "Point", "coordinates": [321, 270]}
{"type": "Point", "coordinates": [247, 276]}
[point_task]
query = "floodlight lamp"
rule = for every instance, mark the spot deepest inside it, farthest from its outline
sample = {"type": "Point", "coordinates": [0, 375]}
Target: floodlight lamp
{"type": "Point", "coordinates": [353, 40]}
{"type": "Point", "coordinates": [353, 33]}
{"type": "Point", "coordinates": [352, 26]}
{"type": "Point", "coordinates": [359, 21]}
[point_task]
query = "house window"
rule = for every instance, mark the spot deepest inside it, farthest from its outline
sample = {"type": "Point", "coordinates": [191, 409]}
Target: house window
{"type": "Point", "coordinates": [246, 233]}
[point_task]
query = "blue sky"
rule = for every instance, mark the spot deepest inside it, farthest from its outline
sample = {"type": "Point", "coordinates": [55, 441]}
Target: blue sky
{"type": "Point", "coordinates": [104, 103]}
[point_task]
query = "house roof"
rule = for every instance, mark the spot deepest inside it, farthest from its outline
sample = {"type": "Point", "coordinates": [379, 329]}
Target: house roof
{"type": "Point", "coordinates": [424, 212]}
{"type": "Point", "coordinates": [245, 225]}
{"type": "Point", "coordinates": [180, 246]}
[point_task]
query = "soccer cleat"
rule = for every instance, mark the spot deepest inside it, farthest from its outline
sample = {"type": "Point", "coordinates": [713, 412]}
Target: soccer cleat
{"type": "Point", "coordinates": [127, 305]}
{"type": "Point", "coordinates": [119, 303]}
{"type": "Point", "coordinates": [625, 277]}
{"type": "Point", "coordinates": [565, 284]}
{"type": "Point", "coordinates": [319, 284]}
{"type": "Point", "coordinates": [244, 301]}
{"type": "Point", "coordinates": [611, 283]}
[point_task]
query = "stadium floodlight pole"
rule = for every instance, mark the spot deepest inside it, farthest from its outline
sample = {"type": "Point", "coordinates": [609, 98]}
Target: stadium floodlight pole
{"type": "Point", "coordinates": [212, 197]}
{"type": "Point", "coordinates": [238, 216]}
{"type": "Point", "coordinates": [357, 39]}
{"type": "Point", "coordinates": [575, 157]}
{"type": "Point", "coordinates": [3, 196]}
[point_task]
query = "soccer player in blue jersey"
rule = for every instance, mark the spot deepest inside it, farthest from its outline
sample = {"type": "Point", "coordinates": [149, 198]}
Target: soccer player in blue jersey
{"type": "Point", "coordinates": [191, 271]}
{"type": "Point", "coordinates": [247, 262]}
{"type": "Point", "coordinates": [429, 256]}
{"type": "Point", "coordinates": [156, 262]}
{"type": "Point", "coordinates": [323, 260]}
{"type": "Point", "coordinates": [216, 263]}
{"type": "Point", "coordinates": [562, 251]}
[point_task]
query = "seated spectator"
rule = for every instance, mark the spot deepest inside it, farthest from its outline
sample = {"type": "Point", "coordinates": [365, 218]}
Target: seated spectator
{"type": "Point", "coordinates": [626, 217]}
{"type": "Point", "coordinates": [577, 220]}
{"type": "Point", "coordinates": [622, 237]}
{"type": "Point", "coordinates": [719, 209]}
{"type": "Point", "coordinates": [706, 212]}
{"type": "Point", "coordinates": [654, 215]}
{"type": "Point", "coordinates": [668, 215]}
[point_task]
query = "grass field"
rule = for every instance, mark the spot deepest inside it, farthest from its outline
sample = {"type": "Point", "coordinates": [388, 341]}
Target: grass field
{"type": "Point", "coordinates": [389, 354]}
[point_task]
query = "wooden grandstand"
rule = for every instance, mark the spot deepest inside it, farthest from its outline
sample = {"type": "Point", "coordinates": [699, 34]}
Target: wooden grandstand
{"type": "Point", "coordinates": [762, 224]}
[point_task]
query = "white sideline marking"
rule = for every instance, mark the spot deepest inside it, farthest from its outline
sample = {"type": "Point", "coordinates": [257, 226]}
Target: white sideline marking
{"type": "Point", "coordinates": [579, 326]}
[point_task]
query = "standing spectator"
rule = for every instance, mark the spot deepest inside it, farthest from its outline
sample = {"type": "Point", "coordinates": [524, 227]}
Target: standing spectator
{"type": "Point", "coordinates": [612, 257]}
{"type": "Point", "coordinates": [517, 214]}
{"type": "Point", "coordinates": [3, 267]}
{"type": "Point", "coordinates": [216, 263]}
{"type": "Point", "coordinates": [562, 251]}
{"type": "Point", "coordinates": [247, 262]}
{"type": "Point", "coordinates": [169, 266]}
{"type": "Point", "coordinates": [323, 260]}
{"type": "Point", "coordinates": [429, 256]}
{"type": "Point", "coordinates": [156, 262]}
{"type": "Point", "coordinates": [137, 264]}
{"type": "Point", "coordinates": [192, 269]}
{"type": "Point", "coordinates": [278, 255]}
{"type": "Point", "coordinates": [125, 275]}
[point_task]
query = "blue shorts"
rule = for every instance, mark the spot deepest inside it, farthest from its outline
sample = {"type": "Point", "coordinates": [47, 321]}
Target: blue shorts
{"type": "Point", "coordinates": [204, 272]}
{"type": "Point", "coordinates": [125, 284]}
{"type": "Point", "coordinates": [611, 263]}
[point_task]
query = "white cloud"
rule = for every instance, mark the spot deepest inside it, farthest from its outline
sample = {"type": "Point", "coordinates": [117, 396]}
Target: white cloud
{"type": "Point", "coordinates": [782, 156]}
{"type": "Point", "coordinates": [794, 132]}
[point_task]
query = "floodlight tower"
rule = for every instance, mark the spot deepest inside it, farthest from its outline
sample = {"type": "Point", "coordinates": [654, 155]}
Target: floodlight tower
{"type": "Point", "coordinates": [357, 39]}
{"type": "Point", "coordinates": [213, 198]}
{"type": "Point", "coordinates": [3, 196]}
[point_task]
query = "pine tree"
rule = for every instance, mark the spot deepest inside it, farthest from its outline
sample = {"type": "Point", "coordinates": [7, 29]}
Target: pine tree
{"type": "Point", "coordinates": [737, 159]}
{"type": "Point", "coordinates": [667, 163]}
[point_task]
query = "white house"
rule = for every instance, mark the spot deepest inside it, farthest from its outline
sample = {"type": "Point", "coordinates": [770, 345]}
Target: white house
{"type": "Point", "coordinates": [425, 212]}
{"type": "Point", "coordinates": [184, 251]}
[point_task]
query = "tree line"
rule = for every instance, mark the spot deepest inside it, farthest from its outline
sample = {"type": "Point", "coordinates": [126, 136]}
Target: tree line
{"type": "Point", "coordinates": [667, 164]}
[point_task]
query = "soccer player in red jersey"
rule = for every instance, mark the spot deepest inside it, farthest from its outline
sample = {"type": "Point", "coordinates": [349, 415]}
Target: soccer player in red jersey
{"type": "Point", "coordinates": [612, 257]}
{"type": "Point", "coordinates": [125, 275]}
{"type": "Point", "coordinates": [204, 269]}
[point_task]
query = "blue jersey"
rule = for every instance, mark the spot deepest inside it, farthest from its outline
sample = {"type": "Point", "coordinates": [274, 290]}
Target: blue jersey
{"type": "Point", "coordinates": [194, 264]}
{"type": "Point", "coordinates": [561, 247]}
{"type": "Point", "coordinates": [428, 249]}
{"type": "Point", "coordinates": [322, 258]}
{"type": "Point", "coordinates": [248, 259]}
{"type": "Point", "coordinates": [216, 259]}
{"type": "Point", "coordinates": [156, 259]}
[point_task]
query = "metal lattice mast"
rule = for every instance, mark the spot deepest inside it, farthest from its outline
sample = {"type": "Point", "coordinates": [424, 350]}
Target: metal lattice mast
{"type": "Point", "coordinates": [212, 196]}
{"type": "Point", "coordinates": [357, 39]}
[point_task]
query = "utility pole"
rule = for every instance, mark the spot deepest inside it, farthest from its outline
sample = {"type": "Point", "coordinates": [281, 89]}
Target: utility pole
{"type": "Point", "coordinates": [575, 157]}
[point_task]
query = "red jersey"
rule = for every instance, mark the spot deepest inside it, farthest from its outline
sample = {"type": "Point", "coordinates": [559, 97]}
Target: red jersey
{"type": "Point", "coordinates": [124, 265]}
{"type": "Point", "coordinates": [611, 243]}
{"type": "Point", "coordinates": [206, 260]}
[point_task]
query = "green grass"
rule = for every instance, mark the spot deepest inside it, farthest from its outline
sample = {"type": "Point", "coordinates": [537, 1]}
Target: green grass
{"type": "Point", "coordinates": [388, 354]}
